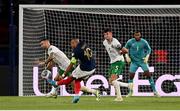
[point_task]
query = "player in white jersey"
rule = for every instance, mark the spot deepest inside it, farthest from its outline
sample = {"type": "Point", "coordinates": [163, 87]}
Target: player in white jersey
{"type": "Point", "coordinates": [56, 56]}
{"type": "Point", "coordinates": [117, 63]}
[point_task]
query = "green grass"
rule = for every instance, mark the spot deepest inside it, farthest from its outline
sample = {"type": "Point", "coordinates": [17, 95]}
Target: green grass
{"type": "Point", "coordinates": [89, 103]}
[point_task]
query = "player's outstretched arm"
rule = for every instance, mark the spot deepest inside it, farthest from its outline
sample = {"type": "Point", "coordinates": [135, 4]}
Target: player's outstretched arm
{"type": "Point", "coordinates": [128, 59]}
{"type": "Point", "coordinates": [50, 65]}
{"type": "Point", "coordinates": [39, 62]}
{"type": "Point", "coordinates": [69, 68]}
{"type": "Point", "coordinates": [42, 62]}
{"type": "Point", "coordinates": [124, 50]}
{"type": "Point", "coordinates": [50, 58]}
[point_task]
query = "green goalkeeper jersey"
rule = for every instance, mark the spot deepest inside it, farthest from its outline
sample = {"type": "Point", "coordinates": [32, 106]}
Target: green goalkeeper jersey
{"type": "Point", "coordinates": [138, 49]}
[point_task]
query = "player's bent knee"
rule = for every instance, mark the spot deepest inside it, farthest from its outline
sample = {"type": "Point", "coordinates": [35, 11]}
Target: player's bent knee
{"type": "Point", "coordinates": [57, 78]}
{"type": "Point", "coordinates": [112, 78]}
{"type": "Point", "coordinates": [132, 75]}
{"type": "Point", "coordinates": [147, 73]}
{"type": "Point", "coordinates": [110, 81]}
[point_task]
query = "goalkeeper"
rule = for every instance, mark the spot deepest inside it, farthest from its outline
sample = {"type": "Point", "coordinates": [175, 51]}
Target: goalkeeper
{"type": "Point", "coordinates": [56, 56]}
{"type": "Point", "coordinates": [137, 52]}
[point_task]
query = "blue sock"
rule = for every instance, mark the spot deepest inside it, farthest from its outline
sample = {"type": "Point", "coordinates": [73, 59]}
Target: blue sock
{"type": "Point", "coordinates": [151, 81]}
{"type": "Point", "coordinates": [130, 81]}
{"type": "Point", "coordinates": [75, 99]}
{"type": "Point", "coordinates": [52, 82]}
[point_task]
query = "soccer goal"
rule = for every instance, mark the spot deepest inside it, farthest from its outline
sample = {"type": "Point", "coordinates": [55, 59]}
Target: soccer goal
{"type": "Point", "coordinates": [159, 25]}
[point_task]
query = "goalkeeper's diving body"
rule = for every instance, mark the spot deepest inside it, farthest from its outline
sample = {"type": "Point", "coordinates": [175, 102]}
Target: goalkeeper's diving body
{"type": "Point", "coordinates": [86, 68]}
{"type": "Point", "coordinates": [117, 64]}
{"type": "Point", "coordinates": [56, 56]}
{"type": "Point", "coordinates": [137, 52]}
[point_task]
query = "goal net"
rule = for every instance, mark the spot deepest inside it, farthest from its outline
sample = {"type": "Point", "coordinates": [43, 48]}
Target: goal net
{"type": "Point", "coordinates": [160, 26]}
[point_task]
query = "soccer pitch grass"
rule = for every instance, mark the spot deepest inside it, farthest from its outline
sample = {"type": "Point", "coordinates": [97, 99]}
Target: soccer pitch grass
{"type": "Point", "coordinates": [89, 103]}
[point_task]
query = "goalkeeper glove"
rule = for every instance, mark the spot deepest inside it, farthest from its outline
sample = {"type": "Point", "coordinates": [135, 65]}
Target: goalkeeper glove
{"type": "Point", "coordinates": [146, 59]}
{"type": "Point", "coordinates": [128, 59]}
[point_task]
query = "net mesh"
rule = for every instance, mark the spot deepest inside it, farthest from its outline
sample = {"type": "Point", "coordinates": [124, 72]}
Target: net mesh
{"type": "Point", "coordinates": [160, 27]}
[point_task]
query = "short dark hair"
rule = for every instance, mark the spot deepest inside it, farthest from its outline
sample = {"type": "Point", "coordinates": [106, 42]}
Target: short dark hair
{"type": "Point", "coordinates": [107, 30]}
{"type": "Point", "coordinates": [137, 32]}
{"type": "Point", "coordinates": [43, 39]}
{"type": "Point", "coordinates": [75, 39]}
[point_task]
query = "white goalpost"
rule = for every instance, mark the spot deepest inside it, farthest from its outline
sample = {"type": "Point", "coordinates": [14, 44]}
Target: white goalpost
{"type": "Point", "coordinates": [159, 24]}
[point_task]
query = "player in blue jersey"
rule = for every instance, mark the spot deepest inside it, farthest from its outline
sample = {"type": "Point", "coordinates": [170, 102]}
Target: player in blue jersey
{"type": "Point", "coordinates": [138, 51]}
{"type": "Point", "coordinates": [86, 68]}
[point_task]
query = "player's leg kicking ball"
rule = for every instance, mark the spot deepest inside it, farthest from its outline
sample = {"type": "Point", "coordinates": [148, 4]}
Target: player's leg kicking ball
{"type": "Point", "coordinates": [77, 76]}
{"type": "Point", "coordinates": [86, 67]}
{"type": "Point", "coordinates": [46, 74]}
{"type": "Point", "coordinates": [53, 92]}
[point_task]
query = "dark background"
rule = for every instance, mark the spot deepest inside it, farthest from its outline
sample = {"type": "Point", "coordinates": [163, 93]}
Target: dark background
{"type": "Point", "coordinates": [9, 27]}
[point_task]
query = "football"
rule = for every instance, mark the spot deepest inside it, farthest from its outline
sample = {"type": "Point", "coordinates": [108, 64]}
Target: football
{"type": "Point", "coordinates": [46, 74]}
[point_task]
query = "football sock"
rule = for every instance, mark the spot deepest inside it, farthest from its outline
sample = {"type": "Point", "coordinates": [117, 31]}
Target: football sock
{"type": "Point", "coordinates": [151, 81]}
{"type": "Point", "coordinates": [77, 86]}
{"type": "Point", "coordinates": [123, 84]}
{"type": "Point", "coordinates": [54, 83]}
{"type": "Point", "coordinates": [117, 88]}
{"type": "Point", "coordinates": [65, 81]}
{"type": "Point", "coordinates": [54, 89]}
{"type": "Point", "coordinates": [130, 82]}
{"type": "Point", "coordinates": [89, 90]}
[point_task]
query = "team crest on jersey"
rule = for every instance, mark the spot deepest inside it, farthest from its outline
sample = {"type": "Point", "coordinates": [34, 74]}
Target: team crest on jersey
{"type": "Point", "coordinates": [50, 49]}
{"type": "Point", "coordinates": [112, 46]}
{"type": "Point", "coordinates": [133, 44]}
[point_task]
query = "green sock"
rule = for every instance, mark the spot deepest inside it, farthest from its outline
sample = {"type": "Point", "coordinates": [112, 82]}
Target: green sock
{"type": "Point", "coordinates": [151, 81]}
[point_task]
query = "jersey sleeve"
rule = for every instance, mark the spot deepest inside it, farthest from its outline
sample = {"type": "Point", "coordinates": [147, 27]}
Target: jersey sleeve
{"type": "Point", "coordinates": [52, 50]}
{"type": "Point", "coordinates": [128, 44]}
{"type": "Point", "coordinates": [104, 43]}
{"type": "Point", "coordinates": [74, 57]}
{"type": "Point", "coordinates": [117, 44]}
{"type": "Point", "coordinates": [147, 47]}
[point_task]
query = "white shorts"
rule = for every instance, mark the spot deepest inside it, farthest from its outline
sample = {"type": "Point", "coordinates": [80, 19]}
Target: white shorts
{"type": "Point", "coordinates": [78, 73]}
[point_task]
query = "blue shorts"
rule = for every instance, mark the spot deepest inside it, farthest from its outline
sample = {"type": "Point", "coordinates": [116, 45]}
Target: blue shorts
{"type": "Point", "coordinates": [135, 65]}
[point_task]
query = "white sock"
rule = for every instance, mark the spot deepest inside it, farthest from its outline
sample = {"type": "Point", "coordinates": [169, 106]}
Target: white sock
{"type": "Point", "coordinates": [85, 89]}
{"type": "Point", "coordinates": [54, 89]}
{"type": "Point", "coordinates": [123, 84]}
{"type": "Point", "coordinates": [117, 88]}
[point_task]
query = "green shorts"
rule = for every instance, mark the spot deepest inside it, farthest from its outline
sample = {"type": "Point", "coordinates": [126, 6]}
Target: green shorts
{"type": "Point", "coordinates": [61, 72]}
{"type": "Point", "coordinates": [135, 65]}
{"type": "Point", "coordinates": [117, 68]}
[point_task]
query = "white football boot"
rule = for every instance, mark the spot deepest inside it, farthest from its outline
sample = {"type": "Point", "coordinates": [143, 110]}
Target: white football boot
{"type": "Point", "coordinates": [120, 99]}
{"type": "Point", "coordinates": [53, 93]}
